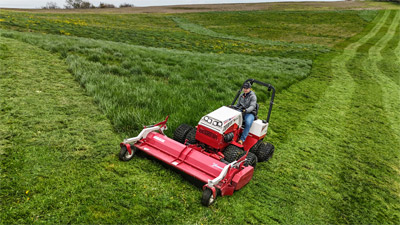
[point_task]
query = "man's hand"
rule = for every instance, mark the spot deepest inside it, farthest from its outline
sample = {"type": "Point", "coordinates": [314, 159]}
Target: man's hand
{"type": "Point", "coordinates": [233, 107]}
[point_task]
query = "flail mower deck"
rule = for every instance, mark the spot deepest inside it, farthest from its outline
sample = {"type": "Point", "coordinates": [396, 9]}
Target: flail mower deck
{"type": "Point", "coordinates": [209, 152]}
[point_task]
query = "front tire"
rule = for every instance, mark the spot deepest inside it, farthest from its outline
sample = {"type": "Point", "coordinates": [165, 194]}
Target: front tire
{"type": "Point", "coordinates": [232, 153]}
{"type": "Point", "coordinates": [124, 153]}
{"type": "Point", "coordinates": [181, 132]}
{"type": "Point", "coordinates": [251, 159]}
{"type": "Point", "coordinates": [191, 136]}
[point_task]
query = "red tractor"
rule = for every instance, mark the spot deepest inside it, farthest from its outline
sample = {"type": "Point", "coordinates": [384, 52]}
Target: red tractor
{"type": "Point", "coordinates": [210, 152]}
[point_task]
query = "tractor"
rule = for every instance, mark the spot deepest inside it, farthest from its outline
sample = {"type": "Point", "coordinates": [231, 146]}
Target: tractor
{"type": "Point", "coordinates": [209, 152]}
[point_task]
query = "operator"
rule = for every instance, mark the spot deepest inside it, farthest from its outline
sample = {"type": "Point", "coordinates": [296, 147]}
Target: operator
{"type": "Point", "coordinates": [247, 104]}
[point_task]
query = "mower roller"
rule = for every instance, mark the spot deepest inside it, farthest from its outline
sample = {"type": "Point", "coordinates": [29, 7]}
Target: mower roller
{"type": "Point", "coordinates": [210, 152]}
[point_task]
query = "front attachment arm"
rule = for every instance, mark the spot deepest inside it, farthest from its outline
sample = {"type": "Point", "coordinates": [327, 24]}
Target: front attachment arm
{"type": "Point", "coordinates": [147, 129]}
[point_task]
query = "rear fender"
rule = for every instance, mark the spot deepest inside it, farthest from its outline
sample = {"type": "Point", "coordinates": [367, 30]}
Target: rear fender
{"type": "Point", "coordinates": [250, 141]}
{"type": "Point", "coordinates": [227, 190]}
{"type": "Point", "coordinates": [243, 177]}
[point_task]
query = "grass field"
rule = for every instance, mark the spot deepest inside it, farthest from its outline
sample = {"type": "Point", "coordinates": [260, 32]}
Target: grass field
{"type": "Point", "coordinates": [72, 86]}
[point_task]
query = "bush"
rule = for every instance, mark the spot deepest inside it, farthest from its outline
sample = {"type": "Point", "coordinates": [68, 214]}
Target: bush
{"type": "Point", "coordinates": [77, 4]}
{"type": "Point", "coordinates": [126, 5]}
{"type": "Point", "coordinates": [106, 5]}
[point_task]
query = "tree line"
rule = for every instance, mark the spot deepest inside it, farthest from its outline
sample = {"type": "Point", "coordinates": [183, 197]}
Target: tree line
{"type": "Point", "coordinates": [81, 4]}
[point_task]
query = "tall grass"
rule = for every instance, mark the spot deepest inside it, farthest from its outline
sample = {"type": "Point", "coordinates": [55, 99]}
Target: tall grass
{"type": "Point", "coordinates": [136, 86]}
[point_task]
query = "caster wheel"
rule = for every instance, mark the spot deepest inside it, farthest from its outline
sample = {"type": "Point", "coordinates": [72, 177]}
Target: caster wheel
{"type": "Point", "coordinates": [207, 199]}
{"type": "Point", "coordinates": [124, 153]}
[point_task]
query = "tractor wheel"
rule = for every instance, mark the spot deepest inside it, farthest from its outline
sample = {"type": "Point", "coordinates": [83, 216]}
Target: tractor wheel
{"type": "Point", "coordinates": [232, 153]}
{"type": "Point", "coordinates": [207, 199]}
{"type": "Point", "coordinates": [251, 159]}
{"type": "Point", "coordinates": [255, 147]}
{"type": "Point", "coordinates": [124, 153]}
{"type": "Point", "coordinates": [181, 132]}
{"type": "Point", "coordinates": [191, 136]}
{"type": "Point", "coordinates": [265, 152]}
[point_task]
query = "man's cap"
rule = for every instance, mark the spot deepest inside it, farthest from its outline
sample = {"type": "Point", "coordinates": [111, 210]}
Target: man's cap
{"type": "Point", "coordinates": [246, 85]}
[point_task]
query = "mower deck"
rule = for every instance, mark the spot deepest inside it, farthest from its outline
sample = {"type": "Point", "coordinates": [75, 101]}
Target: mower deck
{"type": "Point", "coordinates": [218, 177]}
{"type": "Point", "coordinates": [180, 156]}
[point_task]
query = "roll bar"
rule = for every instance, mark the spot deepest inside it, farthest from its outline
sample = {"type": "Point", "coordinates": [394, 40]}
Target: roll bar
{"type": "Point", "coordinates": [270, 87]}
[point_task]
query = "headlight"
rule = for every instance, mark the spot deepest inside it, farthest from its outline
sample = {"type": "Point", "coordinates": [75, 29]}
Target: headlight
{"type": "Point", "coordinates": [206, 118]}
{"type": "Point", "coordinates": [217, 123]}
{"type": "Point", "coordinates": [209, 120]}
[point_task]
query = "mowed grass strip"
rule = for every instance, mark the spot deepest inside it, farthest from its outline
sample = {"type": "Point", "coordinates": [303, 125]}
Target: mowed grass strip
{"type": "Point", "coordinates": [343, 154]}
{"type": "Point", "coordinates": [373, 175]}
{"type": "Point", "coordinates": [390, 88]}
{"type": "Point", "coordinates": [390, 54]}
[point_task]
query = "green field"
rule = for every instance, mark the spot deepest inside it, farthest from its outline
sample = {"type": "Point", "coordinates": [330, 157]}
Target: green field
{"type": "Point", "coordinates": [72, 86]}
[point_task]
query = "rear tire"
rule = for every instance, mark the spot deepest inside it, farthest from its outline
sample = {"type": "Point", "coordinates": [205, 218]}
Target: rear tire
{"type": "Point", "coordinates": [124, 153]}
{"type": "Point", "coordinates": [232, 153]}
{"type": "Point", "coordinates": [207, 199]}
{"type": "Point", "coordinates": [265, 152]}
{"type": "Point", "coordinates": [181, 132]}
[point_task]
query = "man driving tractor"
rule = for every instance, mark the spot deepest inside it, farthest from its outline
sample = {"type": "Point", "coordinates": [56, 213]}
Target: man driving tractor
{"type": "Point", "coordinates": [209, 152]}
{"type": "Point", "coordinates": [247, 104]}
